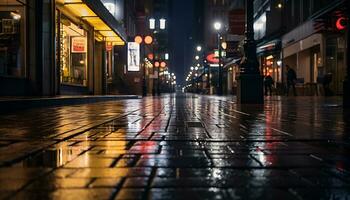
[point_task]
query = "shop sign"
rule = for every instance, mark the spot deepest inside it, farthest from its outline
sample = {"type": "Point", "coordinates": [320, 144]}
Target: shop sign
{"type": "Point", "coordinates": [79, 45]}
{"type": "Point", "coordinates": [211, 58]}
{"type": "Point", "coordinates": [341, 23]}
{"type": "Point", "coordinates": [133, 57]}
{"type": "Point", "coordinates": [223, 53]}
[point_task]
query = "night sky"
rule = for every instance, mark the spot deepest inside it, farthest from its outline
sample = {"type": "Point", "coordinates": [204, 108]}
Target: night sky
{"type": "Point", "coordinates": [180, 37]}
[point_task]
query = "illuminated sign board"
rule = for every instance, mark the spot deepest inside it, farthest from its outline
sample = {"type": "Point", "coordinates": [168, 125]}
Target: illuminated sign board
{"type": "Point", "coordinates": [79, 44]}
{"type": "Point", "coordinates": [133, 57]}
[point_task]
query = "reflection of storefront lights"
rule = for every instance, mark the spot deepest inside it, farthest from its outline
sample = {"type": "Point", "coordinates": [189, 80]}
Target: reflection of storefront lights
{"type": "Point", "coordinates": [81, 62]}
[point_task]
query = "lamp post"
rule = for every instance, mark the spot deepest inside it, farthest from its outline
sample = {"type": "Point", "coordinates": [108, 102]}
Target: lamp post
{"type": "Point", "coordinates": [153, 25]}
{"type": "Point", "coordinates": [217, 26]}
{"type": "Point", "coordinates": [143, 41]}
{"type": "Point", "coordinates": [346, 84]}
{"type": "Point", "coordinates": [250, 82]}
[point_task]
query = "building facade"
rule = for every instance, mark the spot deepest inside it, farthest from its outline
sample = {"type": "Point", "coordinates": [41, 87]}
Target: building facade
{"type": "Point", "coordinates": [58, 47]}
{"type": "Point", "coordinates": [305, 36]}
{"type": "Point", "coordinates": [315, 42]}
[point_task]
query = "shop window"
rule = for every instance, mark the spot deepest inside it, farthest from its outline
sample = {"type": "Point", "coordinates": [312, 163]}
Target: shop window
{"type": "Point", "coordinates": [12, 38]}
{"type": "Point", "coordinates": [73, 53]}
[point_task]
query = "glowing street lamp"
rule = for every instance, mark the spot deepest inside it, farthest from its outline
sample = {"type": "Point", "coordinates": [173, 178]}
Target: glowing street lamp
{"type": "Point", "coordinates": [199, 48]}
{"type": "Point", "coordinates": [217, 26]}
{"type": "Point", "coordinates": [152, 23]}
{"type": "Point", "coordinates": [197, 57]}
{"type": "Point", "coordinates": [138, 39]}
{"type": "Point", "coordinates": [162, 23]}
{"type": "Point", "coordinates": [148, 39]}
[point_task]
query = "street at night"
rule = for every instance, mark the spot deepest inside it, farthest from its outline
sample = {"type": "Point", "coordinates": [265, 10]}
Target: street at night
{"type": "Point", "coordinates": [174, 99]}
{"type": "Point", "coordinates": [177, 147]}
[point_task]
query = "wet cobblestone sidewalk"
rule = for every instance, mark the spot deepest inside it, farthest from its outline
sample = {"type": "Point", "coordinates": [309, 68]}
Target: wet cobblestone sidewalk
{"type": "Point", "coordinates": [177, 147]}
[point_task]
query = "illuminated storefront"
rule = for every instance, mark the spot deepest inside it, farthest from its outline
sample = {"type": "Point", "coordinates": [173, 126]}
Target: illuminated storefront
{"type": "Point", "coordinates": [85, 43]}
{"type": "Point", "coordinates": [73, 53]}
{"type": "Point", "coordinates": [58, 47]}
{"type": "Point", "coordinates": [270, 59]}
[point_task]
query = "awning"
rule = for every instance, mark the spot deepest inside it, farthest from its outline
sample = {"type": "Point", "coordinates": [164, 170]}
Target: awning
{"type": "Point", "coordinates": [95, 14]}
{"type": "Point", "coordinates": [233, 62]}
{"type": "Point", "coordinates": [269, 47]}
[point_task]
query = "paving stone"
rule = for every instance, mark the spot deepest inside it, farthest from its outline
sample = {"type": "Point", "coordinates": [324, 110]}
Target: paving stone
{"type": "Point", "coordinates": [177, 147]}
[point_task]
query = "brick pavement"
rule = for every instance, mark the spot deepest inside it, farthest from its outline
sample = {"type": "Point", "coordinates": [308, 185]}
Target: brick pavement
{"type": "Point", "coordinates": [183, 147]}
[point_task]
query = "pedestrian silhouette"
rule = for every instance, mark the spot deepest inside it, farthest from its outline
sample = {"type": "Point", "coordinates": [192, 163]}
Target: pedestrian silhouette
{"type": "Point", "coordinates": [291, 80]}
{"type": "Point", "coordinates": [268, 82]}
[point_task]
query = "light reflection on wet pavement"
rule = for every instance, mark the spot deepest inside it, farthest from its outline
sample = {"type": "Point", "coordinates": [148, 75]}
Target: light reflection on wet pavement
{"type": "Point", "coordinates": [177, 147]}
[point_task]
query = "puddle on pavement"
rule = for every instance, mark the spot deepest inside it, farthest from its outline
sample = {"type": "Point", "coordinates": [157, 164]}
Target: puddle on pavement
{"type": "Point", "coordinates": [50, 158]}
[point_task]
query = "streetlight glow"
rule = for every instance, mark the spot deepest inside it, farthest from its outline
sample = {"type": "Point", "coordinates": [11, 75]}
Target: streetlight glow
{"type": "Point", "coordinates": [162, 22]}
{"type": "Point", "coordinates": [199, 48]}
{"type": "Point", "coordinates": [197, 57]}
{"type": "Point", "coordinates": [217, 26]}
{"type": "Point", "coordinates": [152, 23]}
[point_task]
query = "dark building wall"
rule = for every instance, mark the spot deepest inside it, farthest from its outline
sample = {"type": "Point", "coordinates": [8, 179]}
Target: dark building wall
{"type": "Point", "coordinates": [299, 11]}
{"type": "Point", "coordinates": [39, 78]}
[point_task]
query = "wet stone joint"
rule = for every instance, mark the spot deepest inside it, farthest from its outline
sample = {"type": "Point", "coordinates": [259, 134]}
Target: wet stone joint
{"type": "Point", "coordinates": [177, 147]}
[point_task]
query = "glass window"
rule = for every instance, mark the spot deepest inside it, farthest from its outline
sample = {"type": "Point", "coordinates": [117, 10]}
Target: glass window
{"type": "Point", "coordinates": [12, 38]}
{"type": "Point", "coordinates": [73, 53]}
